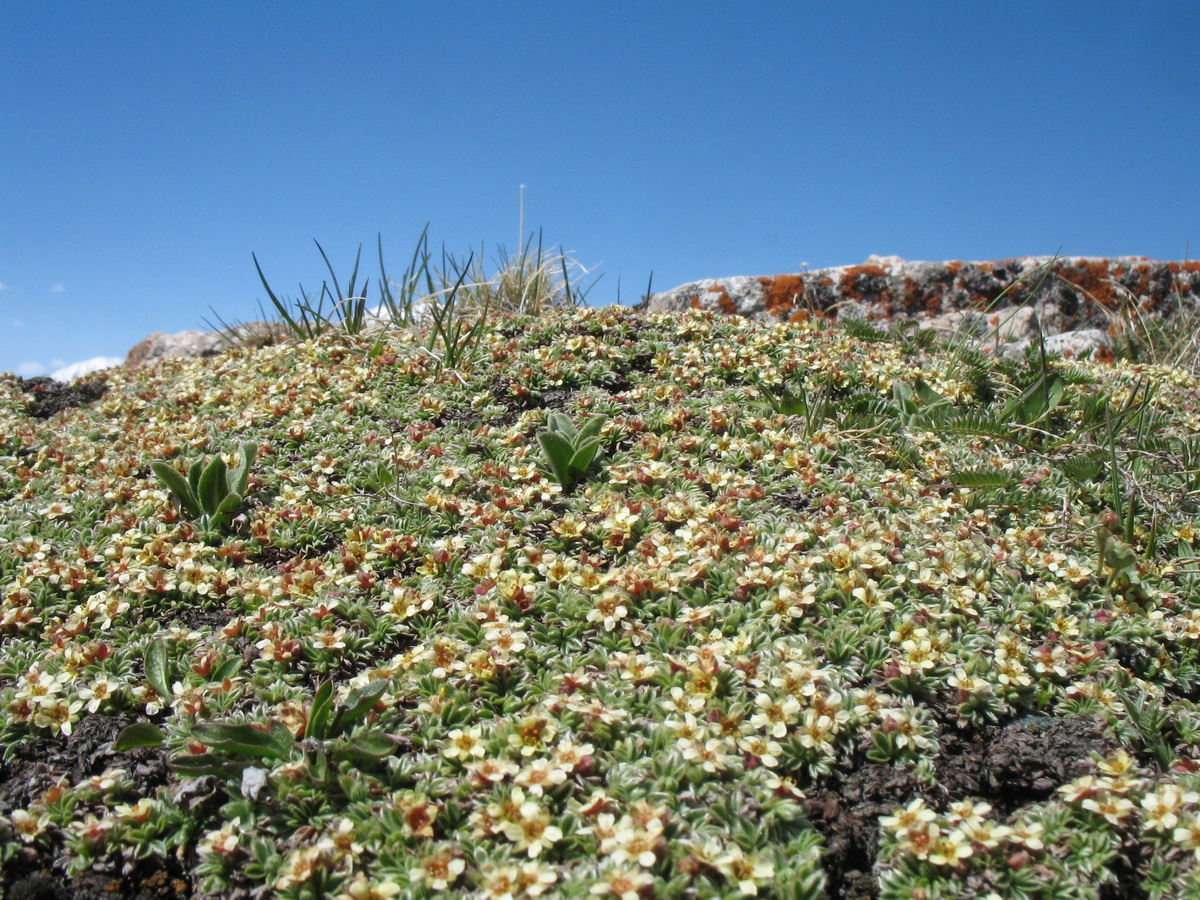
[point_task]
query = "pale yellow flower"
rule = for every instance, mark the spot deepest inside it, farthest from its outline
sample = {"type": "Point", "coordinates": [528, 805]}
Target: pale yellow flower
{"type": "Point", "coordinates": [747, 871]}
{"type": "Point", "coordinates": [624, 884]}
{"type": "Point", "coordinates": [28, 826]}
{"type": "Point", "coordinates": [914, 815]}
{"type": "Point", "coordinates": [439, 869]}
{"type": "Point", "coordinates": [1162, 806]}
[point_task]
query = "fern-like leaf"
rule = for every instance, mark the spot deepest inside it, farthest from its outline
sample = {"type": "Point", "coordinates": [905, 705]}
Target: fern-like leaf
{"type": "Point", "coordinates": [1083, 468]}
{"type": "Point", "coordinates": [981, 478]}
{"type": "Point", "coordinates": [862, 330]}
{"type": "Point", "coordinates": [974, 422]}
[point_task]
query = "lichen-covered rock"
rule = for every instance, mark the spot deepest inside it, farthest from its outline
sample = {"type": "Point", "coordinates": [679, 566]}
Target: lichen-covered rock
{"type": "Point", "coordinates": [158, 345]}
{"type": "Point", "coordinates": [1003, 303]}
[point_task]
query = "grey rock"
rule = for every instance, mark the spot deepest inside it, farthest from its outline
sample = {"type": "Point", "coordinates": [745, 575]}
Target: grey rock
{"type": "Point", "coordinates": [1075, 343]}
{"type": "Point", "coordinates": [158, 345]}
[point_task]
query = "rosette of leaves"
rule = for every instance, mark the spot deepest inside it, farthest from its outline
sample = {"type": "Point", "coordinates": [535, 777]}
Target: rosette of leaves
{"type": "Point", "coordinates": [232, 749]}
{"type": "Point", "coordinates": [210, 494]}
{"type": "Point", "coordinates": [570, 452]}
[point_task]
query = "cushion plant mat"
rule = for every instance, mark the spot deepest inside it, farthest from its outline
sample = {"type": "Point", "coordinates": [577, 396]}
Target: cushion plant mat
{"type": "Point", "coordinates": [827, 612]}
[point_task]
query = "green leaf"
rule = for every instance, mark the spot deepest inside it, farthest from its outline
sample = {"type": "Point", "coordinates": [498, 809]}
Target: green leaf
{"type": "Point", "coordinates": [227, 669]}
{"type": "Point", "coordinates": [982, 478]}
{"type": "Point", "coordinates": [197, 765]}
{"type": "Point", "coordinates": [928, 395]}
{"type": "Point", "coordinates": [170, 479]}
{"type": "Point", "coordinates": [244, 739]}
{"type": "Point", "coordinates": [318, 718]}
{"type": "Point", "coordinates": [319, 767]}
{"type": "Point", "coordinates": [1082, 468]}
{"type": "Point", "coordinates": [562, 424]}
{"type": "Point", "coordinates": [591, 429]}
{"type": "Point", "coordinates": [212, 486]}
{"type": "Point", "coordinates": [238, 478]}
{"type": "Point", "coordinates": [973, 422]}
{"type": "Point", "coordinates": [768, 399]}
{"type": "Point", "coordinates": [156, 669]}
{"type": "Point", "coordinates": [194, 472]}
{"type": "Point", "coordinates": [1036, 402]}
{"type": "Point", "coordinates": [902, 396]}
{"type": "Point", "coordinates": [229, 505]}
{"type": "Point", "coordinates": [357, 705]}
{"type": "Point", "coordinates": [789, 404]}
{"type": "Point", "coordinates": [584, 454]}
{"type": "Point", "coordinates": [139, 734]}
{"type": "Point", "coordinates": [558, 451]}
{"type": "Point", "coordinates": [365, 748]}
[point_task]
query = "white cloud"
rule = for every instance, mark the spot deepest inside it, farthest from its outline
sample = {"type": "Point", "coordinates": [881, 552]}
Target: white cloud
{"type": "Point", "coordinates": [61, 371]}
{"type": "Point", "coordinates": [57, 289]}
{"type": "Point", "coordinates": [16, 323]}
{"type": "Point", "coordinates": [74, 370]}
{"type": "Point", "coordinates": [3, 286]}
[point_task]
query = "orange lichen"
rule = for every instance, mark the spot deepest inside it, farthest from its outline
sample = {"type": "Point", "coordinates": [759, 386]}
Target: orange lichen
{"type": "Point", "coordinates": [1093, 278]}
{"type": "Point", "coordinates": [849, 283]}
{"type": "Point", "coordinates": [781, 294]}
{"type": "Point", "coordinates": [914, 298]}
{"type": "Point", "coordinates": [724, 302]}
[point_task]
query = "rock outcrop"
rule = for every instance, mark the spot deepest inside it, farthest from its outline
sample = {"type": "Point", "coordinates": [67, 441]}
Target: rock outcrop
{"type": "Point", "coordinates": [158, 345]}
{"type": "Point", "coordinates": [1078, 303]}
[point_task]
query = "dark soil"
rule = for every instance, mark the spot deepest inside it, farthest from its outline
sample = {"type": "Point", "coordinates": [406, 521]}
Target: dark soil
{"type": "Point", "coordinates": [36, 766]}
{"type": "Point", "coordinates": [147, 882]}
{"type": "Point", "coordinates": [51, 397]}
{"type": "Point", "coordinates": [1009, 767]}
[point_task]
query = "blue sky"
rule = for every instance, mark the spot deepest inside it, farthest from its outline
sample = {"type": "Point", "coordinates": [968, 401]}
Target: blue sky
{"type": "Point", "coordinates": [147, 149]}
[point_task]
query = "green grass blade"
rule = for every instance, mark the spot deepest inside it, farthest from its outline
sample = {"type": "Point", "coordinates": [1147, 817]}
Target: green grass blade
{"type": "Point", "coordinates": [332, 275]}
{"type": "Point", "coordinates": [298, 329]}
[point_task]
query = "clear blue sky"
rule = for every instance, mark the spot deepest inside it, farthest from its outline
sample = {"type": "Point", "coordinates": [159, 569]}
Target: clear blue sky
{"type": "Point", "coordinates": [147, 149]}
